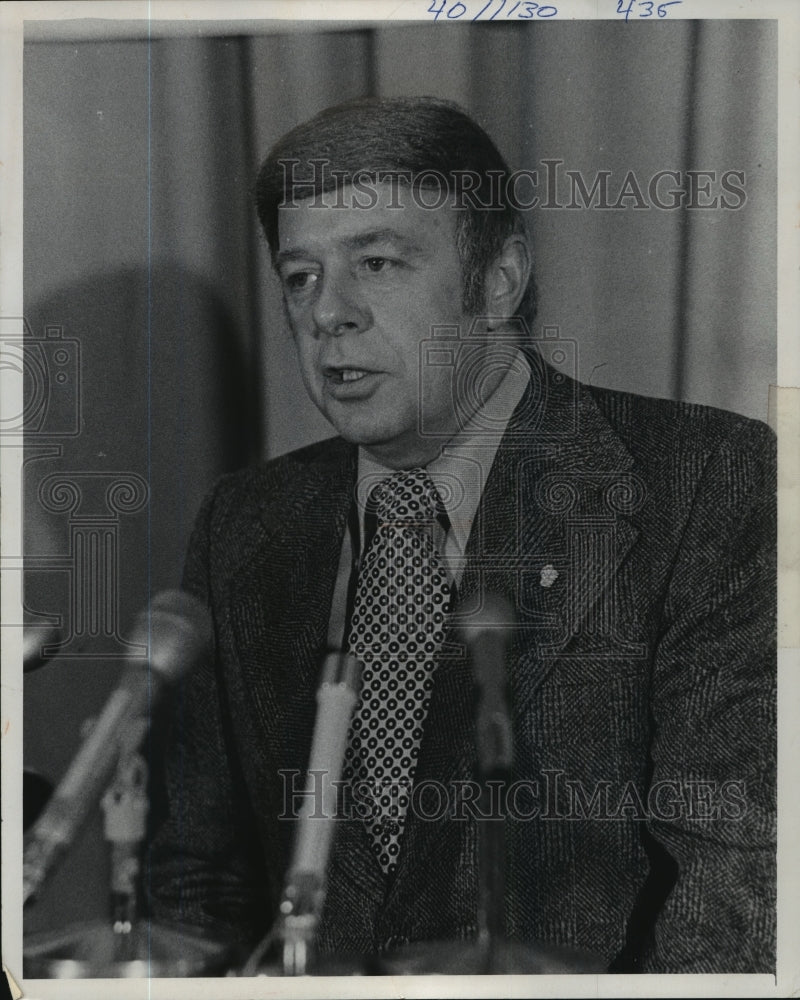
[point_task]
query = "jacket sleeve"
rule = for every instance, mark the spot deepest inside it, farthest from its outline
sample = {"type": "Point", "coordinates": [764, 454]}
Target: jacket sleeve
{"type": "Point", "coordinates": [206, 869]}
{"type": "Point", "coordinates": [714, 716]}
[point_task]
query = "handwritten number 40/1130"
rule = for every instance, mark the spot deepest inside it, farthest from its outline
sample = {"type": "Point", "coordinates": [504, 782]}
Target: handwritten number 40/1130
{"type": "Point", "coordinates": [647, 6]}
{"type": "Point", "coordinates": [523, 10]}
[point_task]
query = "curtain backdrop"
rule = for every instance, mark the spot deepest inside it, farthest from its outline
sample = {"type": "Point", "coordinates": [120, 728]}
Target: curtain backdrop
{"type": "Point", "coordinates": [141, 245]}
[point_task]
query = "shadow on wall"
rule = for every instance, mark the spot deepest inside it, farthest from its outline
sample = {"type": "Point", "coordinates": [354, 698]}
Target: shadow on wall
{"type": "Point", "coordinates": [137, 397]}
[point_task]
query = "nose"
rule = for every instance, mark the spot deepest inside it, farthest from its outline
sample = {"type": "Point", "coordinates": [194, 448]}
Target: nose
{"type": "Point", "coordinates": [340, 307]}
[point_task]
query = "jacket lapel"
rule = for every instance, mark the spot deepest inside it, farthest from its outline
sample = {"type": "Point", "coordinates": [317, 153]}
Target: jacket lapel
{"type": "Point", "coordinates": [553, 529]}
{"type": "Point", "coordinates": [550, 534]}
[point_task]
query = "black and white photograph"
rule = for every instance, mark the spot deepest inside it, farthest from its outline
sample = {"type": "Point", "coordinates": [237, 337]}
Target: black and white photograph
{"type": "Point", "coordinates": [395, 398]}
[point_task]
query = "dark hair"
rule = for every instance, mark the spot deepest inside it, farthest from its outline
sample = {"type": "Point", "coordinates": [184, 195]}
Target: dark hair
{"type": "Point", "coordinates": [375, 137]}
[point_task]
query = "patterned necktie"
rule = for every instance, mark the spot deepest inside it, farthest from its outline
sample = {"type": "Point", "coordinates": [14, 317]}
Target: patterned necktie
{"type": "Point", "coordinates": [398, 625]}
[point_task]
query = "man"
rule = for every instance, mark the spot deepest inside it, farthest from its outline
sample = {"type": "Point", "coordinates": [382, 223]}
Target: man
{"type": "Point", "coordinates": [634, 539]}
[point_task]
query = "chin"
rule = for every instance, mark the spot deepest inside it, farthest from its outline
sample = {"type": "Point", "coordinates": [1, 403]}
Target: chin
{"type": "Point", "coordinates": [377, 440]}
{"type": "Point", "coordinates": [365, 437]}
{"type": "Point", "coordinates": [365, 428]}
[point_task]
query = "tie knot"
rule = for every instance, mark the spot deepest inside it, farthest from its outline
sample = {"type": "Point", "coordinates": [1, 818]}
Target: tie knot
{"type": "Point", "coordinates": [409, 495]}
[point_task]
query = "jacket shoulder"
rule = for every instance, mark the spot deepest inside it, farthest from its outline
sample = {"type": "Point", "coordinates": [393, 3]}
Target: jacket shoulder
{"type": "Point", "coordinates": [253, 488]}
{"type": "Point", "coordinates": [244, 505]}
{"type": "Point", "coordinates": [648, 424]}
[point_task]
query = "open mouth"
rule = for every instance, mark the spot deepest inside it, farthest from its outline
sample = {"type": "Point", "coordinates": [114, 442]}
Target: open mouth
{"type": "Point", "coordinates": [345, 375]}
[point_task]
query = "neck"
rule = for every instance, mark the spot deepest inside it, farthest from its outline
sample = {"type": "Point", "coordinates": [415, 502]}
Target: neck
{"type": "Point", "coordinates": [423, 452]}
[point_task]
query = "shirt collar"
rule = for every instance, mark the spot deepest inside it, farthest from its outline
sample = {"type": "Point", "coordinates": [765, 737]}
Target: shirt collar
{"type": "Point", "coordinates": [461, 470]}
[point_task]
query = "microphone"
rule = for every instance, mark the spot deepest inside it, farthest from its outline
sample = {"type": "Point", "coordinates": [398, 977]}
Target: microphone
{"type": "Point", "coordinates": [487, 635]}
{"type": "Point", "coordinates": [304, 891]}
{"type": "Point", "coordinates": [40, 637]}
{"type": "Point", "coordinates": [35, 638]}
{"type": "Point", "coordinates": [337, 694]}
{"type": "Point", "coordinates": [177, 629]}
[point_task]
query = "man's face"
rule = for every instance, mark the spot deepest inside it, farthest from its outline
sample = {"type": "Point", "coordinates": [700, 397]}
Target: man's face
{"type": "Point", "coordinates": [363, 287]}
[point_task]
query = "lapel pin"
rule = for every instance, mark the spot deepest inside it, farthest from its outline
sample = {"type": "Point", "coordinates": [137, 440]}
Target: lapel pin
{"type": "Point", "coordinates": [548, 576]}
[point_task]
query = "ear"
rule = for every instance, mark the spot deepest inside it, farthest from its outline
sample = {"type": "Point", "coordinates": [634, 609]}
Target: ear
{"type": "Point", "coordinates": [507, 278]}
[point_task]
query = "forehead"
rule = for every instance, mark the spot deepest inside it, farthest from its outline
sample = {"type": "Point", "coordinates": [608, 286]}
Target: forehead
{"type": "Point", "coordinates": [371, 212]}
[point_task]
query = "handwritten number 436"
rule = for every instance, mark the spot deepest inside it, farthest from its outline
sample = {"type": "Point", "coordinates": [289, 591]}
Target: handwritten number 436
{"type": "Point", "coordinates": [524, 11]}
{"type": "Point", "coordinates": [647, 5]}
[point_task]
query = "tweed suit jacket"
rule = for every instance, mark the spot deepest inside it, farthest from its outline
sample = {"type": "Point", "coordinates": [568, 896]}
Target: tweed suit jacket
{"type": "Point", "coordinates": [636, 540]}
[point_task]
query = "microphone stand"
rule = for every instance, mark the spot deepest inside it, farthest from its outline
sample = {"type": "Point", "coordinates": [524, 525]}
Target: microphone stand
{"type": "Point", "coordinates": [495, 755]}
{"type": "Point", "coordinates": [304, 892]}
{"type": "Point", "coordinates": [301, 909]}
{"type": "Point", "coordinates": [177, 631]}
{"type": "Point", "coordinates": [125, 808]}
{"type": "Point", "coordinates": [491, 891]}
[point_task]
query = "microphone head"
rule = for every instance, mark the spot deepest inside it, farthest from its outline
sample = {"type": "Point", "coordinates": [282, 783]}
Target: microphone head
{"type": "Point", "coordinates": [41, 638]}
{"type": "Point", "coordinates": [484, 611]}
{"type": "Point", "coordinates": [487, 624]}
{"type": "Point", "coordinates": [177, 630]}
{"type": "Point", "coordinates": [39, 644]}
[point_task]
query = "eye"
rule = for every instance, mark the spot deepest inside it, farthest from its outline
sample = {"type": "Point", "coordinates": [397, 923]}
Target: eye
{"type": "Point", "coordinates": [300, 281]}
{"type": "Point", "coordinates": [377, 264]}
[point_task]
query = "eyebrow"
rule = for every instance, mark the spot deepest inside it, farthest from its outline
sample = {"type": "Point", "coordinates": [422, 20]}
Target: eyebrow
{"type": "Point", "coordinates": [359, 241]}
